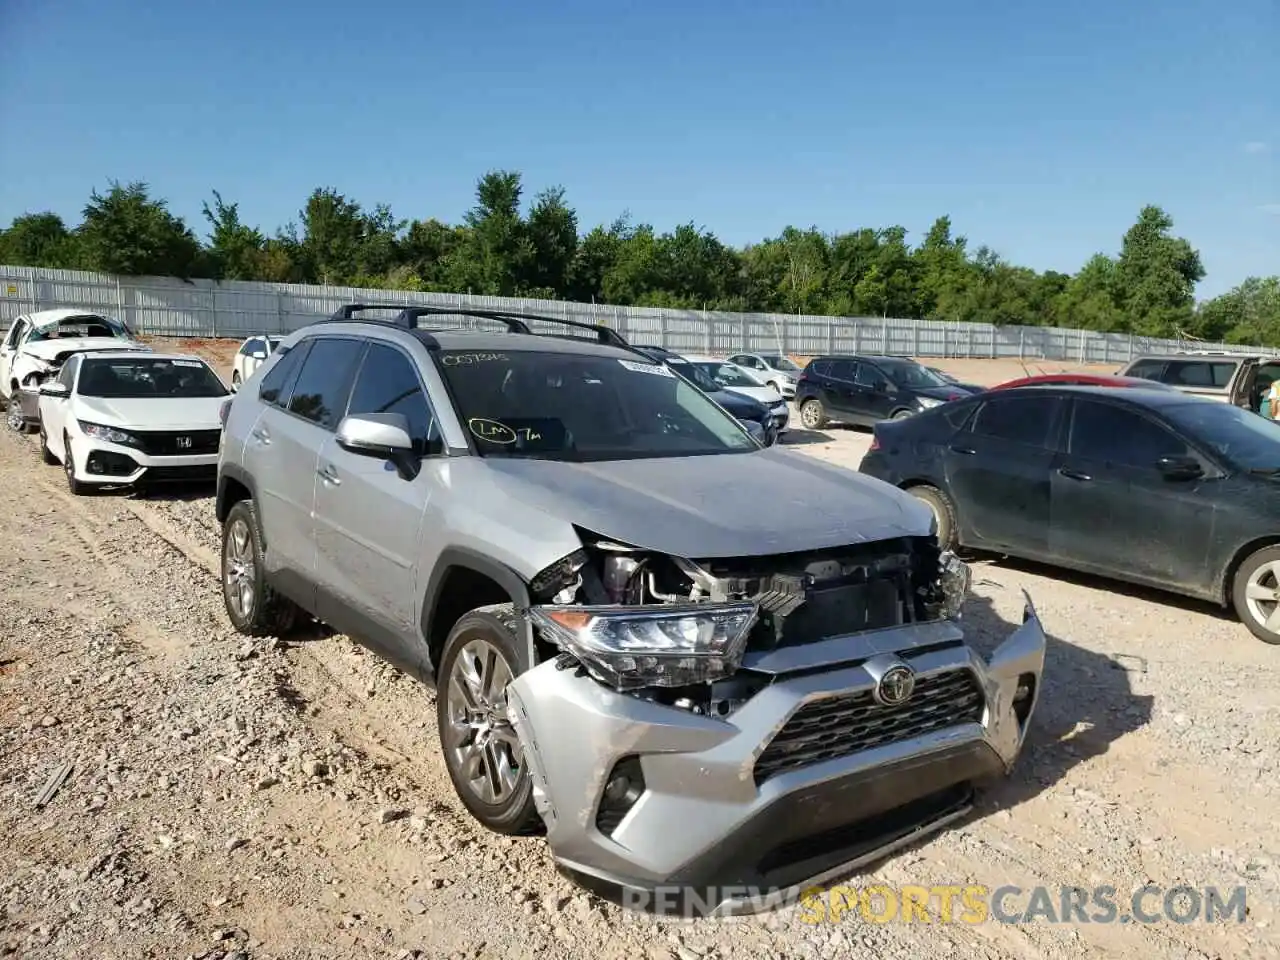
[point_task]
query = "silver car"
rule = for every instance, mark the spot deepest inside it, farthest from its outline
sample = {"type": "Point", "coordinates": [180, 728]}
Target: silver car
{"type": "Point", "coordinates": [776, 369]}
{"type": "Point", "coordinates": [689, 692]}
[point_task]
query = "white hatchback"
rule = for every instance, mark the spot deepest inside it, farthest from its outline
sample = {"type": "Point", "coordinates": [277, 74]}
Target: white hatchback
{"type": "Point", "coordinates": [251, 355]}
{"type": "Point", "coordinates": [117, 418]}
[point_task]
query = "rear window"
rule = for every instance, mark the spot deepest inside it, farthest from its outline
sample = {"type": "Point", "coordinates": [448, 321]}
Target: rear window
{"type": "Point", "coordinates": [1205, 374]}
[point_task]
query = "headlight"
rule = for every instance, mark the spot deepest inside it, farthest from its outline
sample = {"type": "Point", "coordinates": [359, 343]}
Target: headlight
{"type": "Point", "coordinates": [670, 646]}
{"type": "Point", "coordinates": [928, 402]}
{"type": "Point", "coordinates": [954, 577]}
{"type": "Point", "coordinates": [106, 434]}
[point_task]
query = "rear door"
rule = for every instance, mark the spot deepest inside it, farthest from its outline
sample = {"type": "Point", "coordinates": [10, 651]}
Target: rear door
{"type": "Point", "coordinates": [837, 379]}
{"type": "Point", "coordinates": [369, 518]}
{"type": "Point", "coordinates": [1113, 511]}
{"type": "Point", "coordinates": [997, 471]}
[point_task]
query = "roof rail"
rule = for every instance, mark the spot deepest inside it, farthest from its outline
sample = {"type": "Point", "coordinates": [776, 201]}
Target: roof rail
{"type": "Point", "coordinates": [409, 317]}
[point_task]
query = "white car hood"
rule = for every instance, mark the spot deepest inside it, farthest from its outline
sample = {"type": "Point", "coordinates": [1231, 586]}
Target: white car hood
{"type": "Point", "coordinates": [766, 395]}
{"type": "Point", "coordinates": [49, 349]}
{"type": "Point", "coordinates": [152, 413]}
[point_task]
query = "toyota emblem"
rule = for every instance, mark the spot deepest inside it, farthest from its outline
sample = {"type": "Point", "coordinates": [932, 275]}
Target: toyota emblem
{"type": "Point", "coordinates": [895, 686]}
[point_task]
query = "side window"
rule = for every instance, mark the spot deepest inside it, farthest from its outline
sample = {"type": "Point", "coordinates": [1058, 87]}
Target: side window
{"type": "Point", "coordinates": [15, 334]}
{"type": "Point", "coordinates": [67, 376]}
{"type": "Point", "coordinates": [247, 347]}
{"type": "Point", "coordinates": [277, 385]}
{"type": "Point", "coordinates": [1199, 373]}
{"type": "Point", "coordinates": [842, 370]}
{"type": "Point", "coordinates": [320, 393]}
{"type": "Point", "coordinates": [1101, 431]}
{"type": "Point", "coordinates": [1024, 420]}
{"type": "Point", "coordinates": [868, 375]}
{"type": "Point", "coordinates": [388, 383]}
{"type": "Point", "coordinates": [820, 368]}
{"type": "Point", "coordinates": [1148, 370]}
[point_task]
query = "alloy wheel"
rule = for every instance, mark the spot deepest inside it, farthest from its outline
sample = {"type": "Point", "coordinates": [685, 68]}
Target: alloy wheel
{"type": "Point", "coordinates": [1262, 596]}
{"type": "Point", "coordinates": [810, 414]}
{"type": "Point", "coordinates": [486, 751]}
{"type": "Point", "coordinates": [241, 582]}
{"type": "Point", "coordinates": [13, 417]}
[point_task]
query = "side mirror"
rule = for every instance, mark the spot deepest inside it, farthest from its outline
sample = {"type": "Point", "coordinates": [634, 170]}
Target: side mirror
{"type": "Point", "coordinates": [1180, 468]}
{"type": "Point", "coordinates": [259, 355]}
{"type": "Point", "coordinates": [375, 435]}
{"type": "Point", "coordinates": [55, 389]}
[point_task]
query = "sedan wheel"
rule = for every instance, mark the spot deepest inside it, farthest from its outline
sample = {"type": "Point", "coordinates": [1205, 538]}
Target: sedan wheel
{"type": "Point", "coordinates": [14, 418]}
{"type": "Point", "coordinates": [1256, 594]}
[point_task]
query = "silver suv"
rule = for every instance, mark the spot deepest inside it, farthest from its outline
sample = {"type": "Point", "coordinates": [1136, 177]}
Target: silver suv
{"type": "Point", "coordinates": [691, 684]}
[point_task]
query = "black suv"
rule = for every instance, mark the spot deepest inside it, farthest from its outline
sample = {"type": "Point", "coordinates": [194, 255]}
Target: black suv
{"type": "Point", "coordinates": [867, 389]}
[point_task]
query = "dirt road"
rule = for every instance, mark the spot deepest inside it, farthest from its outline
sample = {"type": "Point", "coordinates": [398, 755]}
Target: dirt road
{"type": "Point", "coordinates": [269, 799]}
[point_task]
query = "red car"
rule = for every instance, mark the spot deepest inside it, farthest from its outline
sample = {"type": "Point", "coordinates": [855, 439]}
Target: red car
{"type": "Point", "coordinates": [1083, 380]}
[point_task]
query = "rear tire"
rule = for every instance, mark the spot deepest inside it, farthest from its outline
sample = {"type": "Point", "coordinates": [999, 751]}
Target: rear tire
{"type": "Point", "coordinates": [481, 656]}
{"type": "Point", "coordinates": [1255, 594]}
{"type": "Point", "coordinates": [944, 512]}
{"type": "Point", "coordinates": [253, 608]}
{"type": "Point", "coordinates": [812, 415]}
{"type": "Point", "coordinates": [902, 414]}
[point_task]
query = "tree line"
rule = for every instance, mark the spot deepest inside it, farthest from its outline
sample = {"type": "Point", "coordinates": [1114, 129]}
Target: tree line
{"type": "Point", "coordinates": [505, 247]}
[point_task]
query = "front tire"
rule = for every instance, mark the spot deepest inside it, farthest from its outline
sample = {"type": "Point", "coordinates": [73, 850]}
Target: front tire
{"type": "Point", "coordinates": [481, 750]}
{"type": "Point", "coordinates": [253, 608]}
{"type": "Point", "coordinates": [944, 512]}
{"type": "Point", "coordinates": [235, 381]}
{"type": "Point", "coordinates": [13, 416]}
{"type": "Point", "coordinates": [77, 487]}
{"type": "Point", "coordinates": [812, 415]}
{"type": "Point", "coordinates": [902, 414]}
{"type": "Point", "coordinates": [1255, 594]}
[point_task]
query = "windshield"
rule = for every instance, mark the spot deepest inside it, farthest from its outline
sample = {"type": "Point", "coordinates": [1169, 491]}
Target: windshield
{"type": "Point", "coordinates": [561, 406]}
{"type": "Point", "coordinates": [907, 374]}
{"type": "Point", "coordinates": [1239, 436]}
{"type": "Point", "coordinates": [779, 362]}
{"type": "Point", "coordinates": [726, 374]}
{"type": "Point", "coordinates": [89, 325]}
{"type": "Point", "coordinates": [127, 378]}
{"type": "Point", "coordinates": [694, 373]}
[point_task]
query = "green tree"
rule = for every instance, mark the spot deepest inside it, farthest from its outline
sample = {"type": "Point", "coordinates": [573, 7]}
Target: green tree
{"type": "Point", "coordinates": [126, 232]}
{"type": "Point", "coordinates": [38, 240]}
{"type": "Point", "coordinates": [235, 250]}
{"type": "Point", "coordinates": [1156, 276]}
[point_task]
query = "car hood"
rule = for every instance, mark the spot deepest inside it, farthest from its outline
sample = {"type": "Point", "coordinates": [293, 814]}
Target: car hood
{"type": "Point", "coordinates": [152, 413]}
{"type": "Point", "coordinates": [949, 392]}
{"type": "Point", "coordinates": [766, 395]}
{"type": "Point", "coordinates": [737, 404]}
{"type": "Point", "coordinates": [51, 349]}
{"type": "Point", "coordinates": [729, 505]}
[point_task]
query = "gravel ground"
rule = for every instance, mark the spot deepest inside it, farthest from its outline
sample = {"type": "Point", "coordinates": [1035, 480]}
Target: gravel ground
{"type": "Point", "coordinates": [234, 799]}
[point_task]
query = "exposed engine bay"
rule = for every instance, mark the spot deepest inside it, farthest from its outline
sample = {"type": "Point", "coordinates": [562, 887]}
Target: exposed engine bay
{"type": "Point", "coordinates": [779, 601]}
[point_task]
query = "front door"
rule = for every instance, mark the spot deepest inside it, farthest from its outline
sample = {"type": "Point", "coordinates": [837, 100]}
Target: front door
{"type": "Point", "coordinates": [838, 388]}
{"type": "Point", "coordinates": [997, 471]}
{"type": "Point", "coordinates": [7, 351]}
{"type": "Point", "coordinates": [369, 517]}
{"type": "Point", "coordinates": [1115, 512]}
{"type": "Point", "coordinates": [875, 392]}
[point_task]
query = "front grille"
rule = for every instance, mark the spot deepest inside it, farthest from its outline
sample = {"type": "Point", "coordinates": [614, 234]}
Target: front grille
{"type": "Point", "coordinates": [850, 723]}
{"type": "Point", "coordinates": [169, 443]}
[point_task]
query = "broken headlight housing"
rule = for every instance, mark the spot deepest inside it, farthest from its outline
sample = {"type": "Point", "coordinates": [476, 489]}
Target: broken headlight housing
{"type": "Point", "coordinates": [954, 579]}
{"type": "Point", "coordinates": [630, 648]}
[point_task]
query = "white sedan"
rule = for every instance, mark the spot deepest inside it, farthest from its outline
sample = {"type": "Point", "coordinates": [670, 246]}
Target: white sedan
{"type": "Point", "coordinates": [251, 355]}
{"type": "Point", "coordinates": [739, 380]}
{"type": "Point", "coordinates": [118, 418]}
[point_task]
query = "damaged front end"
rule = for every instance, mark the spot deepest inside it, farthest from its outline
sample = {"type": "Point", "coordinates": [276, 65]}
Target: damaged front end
{"type": "Point", "coordinates": [760, 723]}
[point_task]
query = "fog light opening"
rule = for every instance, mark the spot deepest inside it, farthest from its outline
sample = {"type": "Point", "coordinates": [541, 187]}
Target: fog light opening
{"type": "Point", "coordinates": [1024, 695]}
{"type": "Point", "coordinates": [622, 790]}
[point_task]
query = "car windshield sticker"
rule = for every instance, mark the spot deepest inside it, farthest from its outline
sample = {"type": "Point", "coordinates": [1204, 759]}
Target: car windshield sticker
{"type": "Point", "coordinates": [466, 359]}
{"type": "Point", "coordinates": [188, 363]}
{"type": "Point", "coordinates": [654, 368]}
{"type": "Point", "coordinates": [491, 431]}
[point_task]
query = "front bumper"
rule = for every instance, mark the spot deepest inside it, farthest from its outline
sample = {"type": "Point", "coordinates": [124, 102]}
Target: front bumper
{"type": "Point", "coordinates": [781, 415]}
{"type": "Point", "coordinates": [704, 826]}
{"type": "Point", "coordinates": [113, 464]}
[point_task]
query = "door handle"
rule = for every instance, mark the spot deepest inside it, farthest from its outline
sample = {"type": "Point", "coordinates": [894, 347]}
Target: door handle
{"type": "Point", "coordinates": [329, 475]}
{"type": "Point", "coordinates": [1073, 474]}
{"type": "Point", "coordinates": [967, 451]}
{"type": "Point", "coordinates": [260, 434]}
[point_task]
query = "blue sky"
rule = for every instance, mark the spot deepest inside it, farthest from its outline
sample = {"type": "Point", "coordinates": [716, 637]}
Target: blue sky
{"type": "Point", "coordinates": [1041, 129]}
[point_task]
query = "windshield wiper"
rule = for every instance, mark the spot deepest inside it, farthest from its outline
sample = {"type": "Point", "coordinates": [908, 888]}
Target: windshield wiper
{"type": "Point", "coordinates": [1264, 471]}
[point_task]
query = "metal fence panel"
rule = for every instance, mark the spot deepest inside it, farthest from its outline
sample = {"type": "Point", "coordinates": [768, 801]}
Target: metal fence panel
{"type": "Point", "coordinates": [166, 306]}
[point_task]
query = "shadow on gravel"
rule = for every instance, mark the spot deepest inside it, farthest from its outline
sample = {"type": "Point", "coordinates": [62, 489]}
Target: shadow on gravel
{"type": "Point", "coordinates": [1150, 594]}
{"type": "Point", "coordinates": [1086, 704]}
{"type": "Point", "coordinates": [797, 436]}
